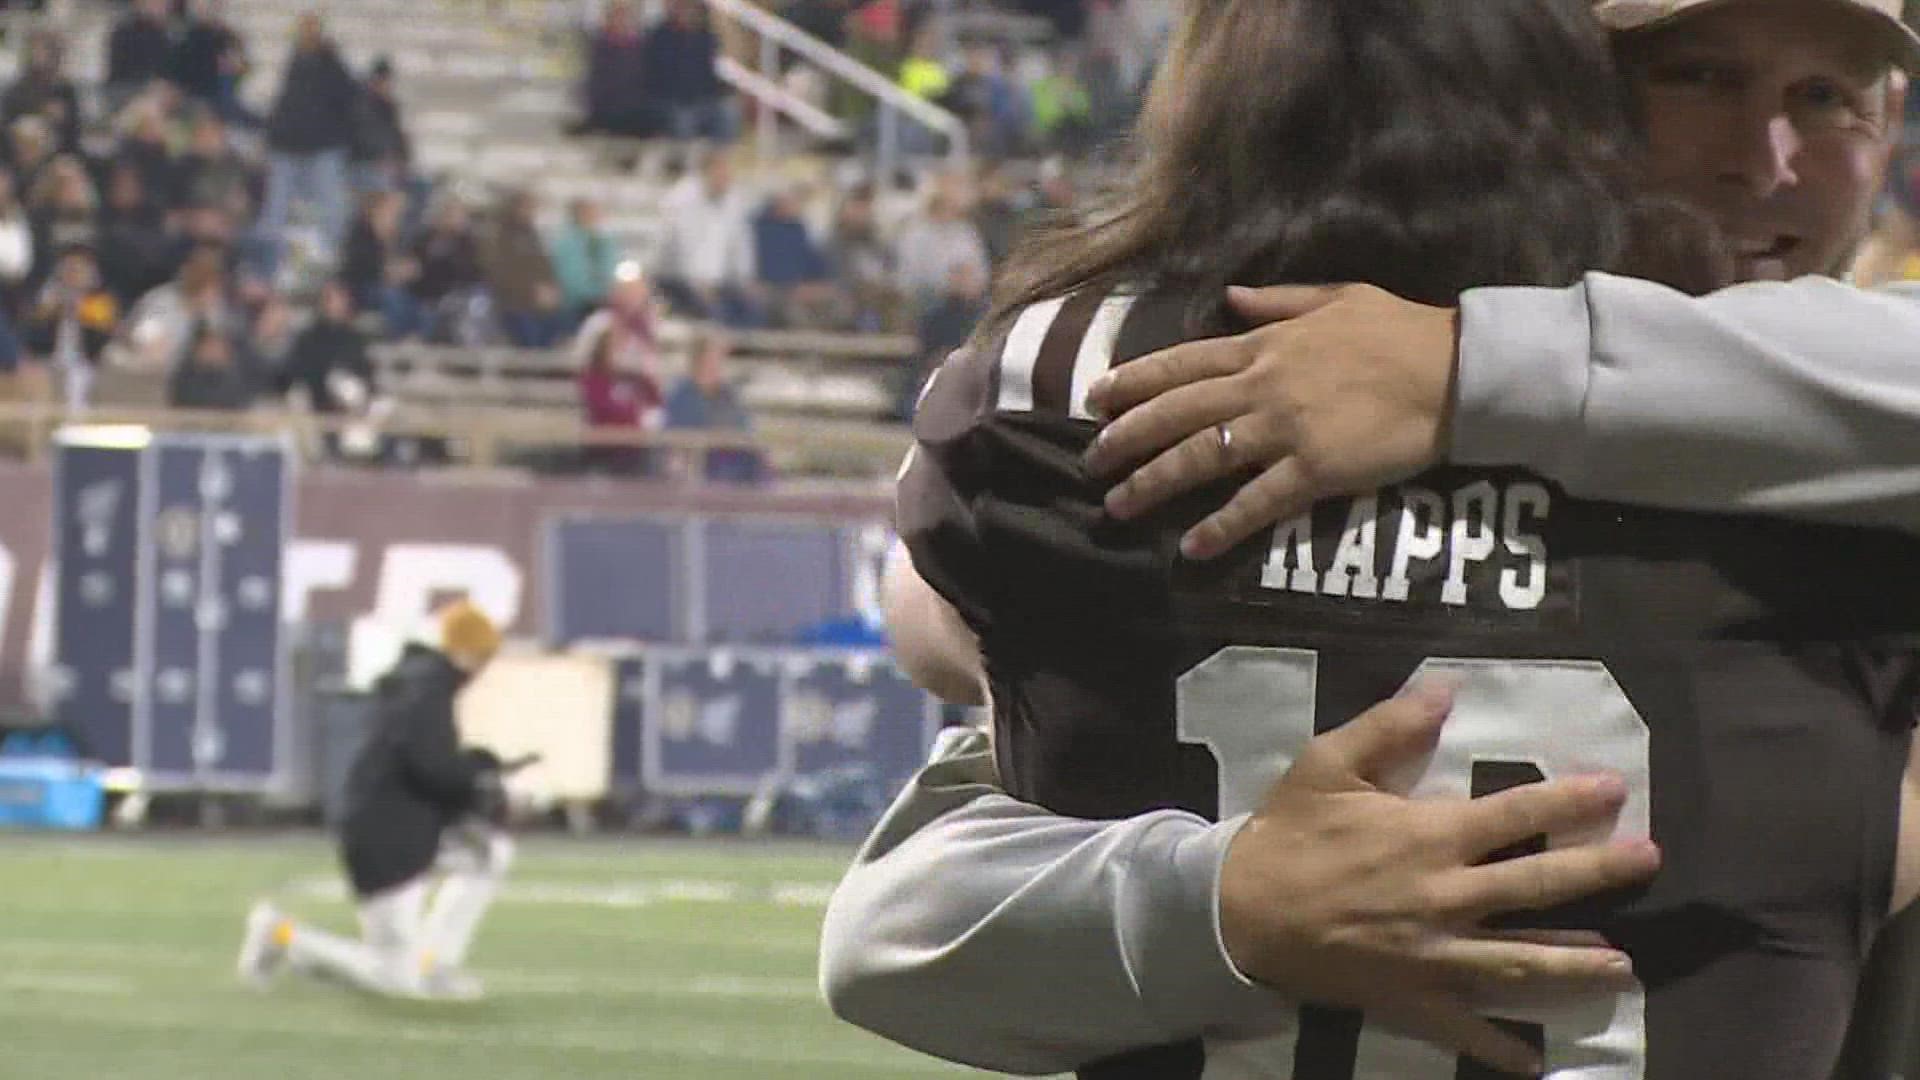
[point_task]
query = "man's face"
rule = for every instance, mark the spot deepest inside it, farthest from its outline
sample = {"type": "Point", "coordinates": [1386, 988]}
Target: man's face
{"type": "Point", "coordinates": [77, 272]}
{"type": "Point", "coordinates": [209, 139]}
{"type": "Point", "coordinates": [1772, 116]}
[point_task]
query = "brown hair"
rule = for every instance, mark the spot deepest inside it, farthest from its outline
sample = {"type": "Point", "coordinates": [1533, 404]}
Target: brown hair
{"type": "Point", "coordinates": [1425, 146]}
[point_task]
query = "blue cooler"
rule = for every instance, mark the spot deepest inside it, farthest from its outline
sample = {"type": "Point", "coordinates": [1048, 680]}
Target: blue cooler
{"type": "Point", "coordinates": [49, 793]}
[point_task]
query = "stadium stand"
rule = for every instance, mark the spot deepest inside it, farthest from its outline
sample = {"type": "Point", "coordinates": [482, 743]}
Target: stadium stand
{"type": "Point", "coordinates": [464, 108]}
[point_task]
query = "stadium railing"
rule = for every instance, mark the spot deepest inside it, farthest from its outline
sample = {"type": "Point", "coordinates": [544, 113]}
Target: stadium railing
{"type": "Point", "coordinates": [489, 436]}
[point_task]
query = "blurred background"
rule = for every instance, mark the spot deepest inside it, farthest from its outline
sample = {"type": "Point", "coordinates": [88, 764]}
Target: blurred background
{"type": "Point", "coordinates": [604, 315]}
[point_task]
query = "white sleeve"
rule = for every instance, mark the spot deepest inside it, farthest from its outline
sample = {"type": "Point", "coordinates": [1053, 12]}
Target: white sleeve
{"type": "Point", "coordinates": [1799, 398]}
{"type": "Point", "coordinates": [16, 251]}
{"type": "Point", "coordinates": [988, 931]}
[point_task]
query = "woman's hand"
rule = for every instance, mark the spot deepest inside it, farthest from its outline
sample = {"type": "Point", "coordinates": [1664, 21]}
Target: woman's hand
{"type": "Point", "coordinates": [1341, 390]}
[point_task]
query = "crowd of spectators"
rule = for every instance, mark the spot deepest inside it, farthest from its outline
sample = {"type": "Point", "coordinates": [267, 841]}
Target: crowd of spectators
{"type": "Point", "coordinates": [150, 223]}
{"type": "Point", "coordinates": [154, 223]}
{"type": "Point", "coordinates": [657, 79]}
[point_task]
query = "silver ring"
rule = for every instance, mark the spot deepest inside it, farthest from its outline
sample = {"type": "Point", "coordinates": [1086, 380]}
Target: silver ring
{"type": "Point", "coordinates": [1226, 438]}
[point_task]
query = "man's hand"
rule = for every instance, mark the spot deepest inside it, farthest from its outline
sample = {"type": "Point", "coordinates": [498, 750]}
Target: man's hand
{"type": "Point", "coordinates": [1339, 893]}
{"type": "Point", "coordinates": [490, 801]}
{"type": "Point", "coordinates": [1345, 389]}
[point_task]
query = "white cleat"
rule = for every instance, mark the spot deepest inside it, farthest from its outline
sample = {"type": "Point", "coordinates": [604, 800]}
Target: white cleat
{"type": "Point", "coordinates": [450, 984]}
{"type": "Point", "coordinates": [260, 955]}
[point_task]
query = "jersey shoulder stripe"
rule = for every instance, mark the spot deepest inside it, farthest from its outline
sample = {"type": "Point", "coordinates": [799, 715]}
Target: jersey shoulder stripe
{"type": "Point", "coordinates": [1055, 350]}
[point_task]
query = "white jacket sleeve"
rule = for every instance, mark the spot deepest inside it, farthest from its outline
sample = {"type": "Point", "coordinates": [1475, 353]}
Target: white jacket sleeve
{"type": "Point", "coordinates": [990, 932]}
{"type": "Point", "coordinates": [1799, 398]}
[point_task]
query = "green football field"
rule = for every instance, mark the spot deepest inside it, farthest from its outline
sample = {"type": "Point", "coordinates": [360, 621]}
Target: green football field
{"type": "Point", "coordinates": [604, 958]}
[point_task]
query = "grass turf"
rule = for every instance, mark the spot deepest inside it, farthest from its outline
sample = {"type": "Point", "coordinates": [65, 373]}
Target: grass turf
{"type": "Point", "coordinates": [603, 959]}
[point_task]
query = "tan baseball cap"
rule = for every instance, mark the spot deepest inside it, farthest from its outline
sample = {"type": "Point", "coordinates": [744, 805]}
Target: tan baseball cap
{"type": "Point", "coordinates": [1645, 14]}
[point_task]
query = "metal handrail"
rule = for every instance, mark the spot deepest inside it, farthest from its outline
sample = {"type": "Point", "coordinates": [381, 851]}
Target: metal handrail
{"type": "Point", "coordinates": [795, 108]}
{"type": "Point", "coordinates": [893, 100]}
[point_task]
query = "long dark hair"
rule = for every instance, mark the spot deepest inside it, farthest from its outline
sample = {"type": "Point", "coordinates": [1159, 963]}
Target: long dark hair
{"type": "Point", "coordinates": [1425, 146]}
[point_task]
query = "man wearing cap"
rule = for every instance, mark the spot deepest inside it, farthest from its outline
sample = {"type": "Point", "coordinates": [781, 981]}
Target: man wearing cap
{"type": "Point", "coordinates": [1775, 117]}
{"type": "Point", "coordinates": [418, 810]}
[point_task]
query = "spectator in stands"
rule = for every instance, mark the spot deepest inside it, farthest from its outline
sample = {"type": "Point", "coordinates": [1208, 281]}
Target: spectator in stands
{"type": "Point", "coordinates": [620, 397]}
{"type": "Point", "coordinates": [44, 90]}
{"type": "Point", "coordinates": [144, 149]}
{"type": "Point", "coordinates": [160, 327]}
{"type": "Point", "coordinates": [996, 213]}
{"type": "Point", "coordinates": [378, 268]}
{"type": "Point", "coordinates": [139, 50]}
{"type": "Point", "coordinates": [308, 135]}
{"type": "Point", "coordinates": [1057, 193]}
{"type": "Point", "coordinates": [1063, 107]}
{"type": "Point", "coordinates": [864, 263]}
{"type": "Point", "coordinates": [677, 69]}
{"type": "Point", "coordinates": [526, 294]}
{"type": "Point", "coordinates": [448, 254]}
{"type": "Point", "coordinates": [824, 19]}
{"type": "Point", "coordinates": [328, 370]}
{"type": "Point", "coordinates": [16, 250]}
{"type": "Point", "coordinates": [269, 337]}
{"type": "Point", "coordinates": [705, 399]}
{"type": "Point", "coordinates": [64, 208]}
{"type": "Point", "coordinates": [584, 259]}
{"type": "Point", "coordinates": [630, 319]}
{"type": "Point", "coordinates": [993, 108]}
{"type": "Point", "coordinates": [615, 91]}
{"type": "Point", "coordinates": [706, 254]}
{"type": "Point", "coordinates": [17, 375]}
{"type": "Point", "coordinates": [1068, 17]}
{"type": "Point", "coordinates": [71, 323]}
{"type": "Point", "coordinates": [136, 250]}
{"type": "Point", "coordinates": [211, 376]}
{"type": "Point", "coordinates": [382, 152]}
{"type": "Point", "coordinates": [210, 60]}
{"type": "Point", "coordinates": [935, 241]}
{"type": "Point", "coordinates": [943, 328]}
{"type": "Point", "coordinates": [210, 172]}
{"type": "Point", "coordinates": [922, 73]}
{"type": "Point", "coordinates": [875, 33]}
{"type": "Point", "coordinates": [29, 150]}
{"type": "Point", "coordinates": [206, 224]}
{"type": "Point", "coordinates": [794, 273]}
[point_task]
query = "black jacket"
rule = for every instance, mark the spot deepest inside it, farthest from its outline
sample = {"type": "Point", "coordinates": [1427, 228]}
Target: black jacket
{"type": "Point", "coordinates": [321, 349]}
{"type": "Point", "coordinates": [139, 51]}
{"type": "Point", "coordinates": [192, 386]}
{"type": "Point", "coordinates": [411, 780]}
{"type": "Point", "coordinates": [198, 55]}
{"type": "Point", "coordinates": [379, 135]}
{"type": "Point", "coordinates": [676, 66]}
{"type": "Point", "coordinates": [316, 106]}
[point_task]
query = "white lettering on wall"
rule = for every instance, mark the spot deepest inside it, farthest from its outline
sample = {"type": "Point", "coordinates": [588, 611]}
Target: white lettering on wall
{"type": "Point", "coordinates": [314, 566]}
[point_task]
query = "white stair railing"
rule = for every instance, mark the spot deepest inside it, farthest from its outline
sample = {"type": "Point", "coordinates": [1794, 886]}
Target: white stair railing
{"type": "Point", "coordinates": [891, 102]}
{"type": "Point", "coordinates": [772, 95]}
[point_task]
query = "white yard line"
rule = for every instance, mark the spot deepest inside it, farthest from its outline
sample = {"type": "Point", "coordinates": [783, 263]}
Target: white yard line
{"type": "Point", "coordinates": [63, 982]}
{"type": "Point", "coordinates": [107, 950]}
{"type": "Point", "coordinates": [709, 1046]}
{"type": "Point", "coordinates": [632, 894]}
{"type": "Point", "coordinates": [725, 986]}
{"type": "Point", "coordinates": [25, 961]}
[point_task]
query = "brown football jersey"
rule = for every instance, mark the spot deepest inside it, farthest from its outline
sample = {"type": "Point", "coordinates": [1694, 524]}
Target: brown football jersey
{"type": "Point", "coordinates": [1753, 681]}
